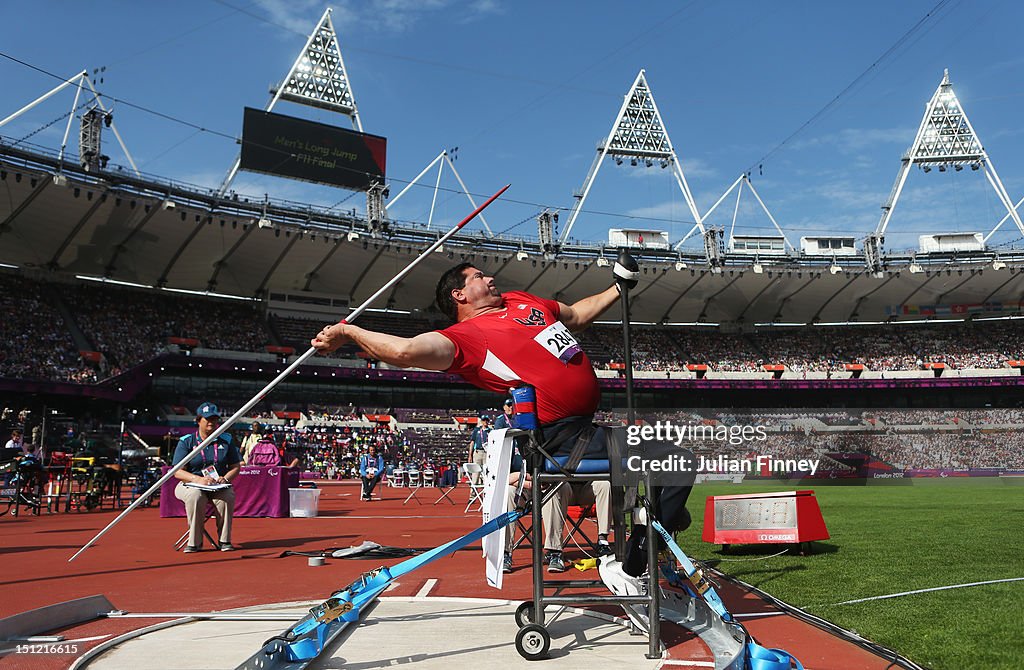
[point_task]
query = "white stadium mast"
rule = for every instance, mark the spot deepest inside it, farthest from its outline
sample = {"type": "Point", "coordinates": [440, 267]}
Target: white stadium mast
{"type": "Point", "coordinates": [89, 137]}
{"type": "Point", "coordinates": [945, 139]}
{"type": "Point", "coordinates": [444, 158]}
{"type": "Point", "coordinates": [639, 136]}
{"type": "Point", "coordinates": [741, 181]}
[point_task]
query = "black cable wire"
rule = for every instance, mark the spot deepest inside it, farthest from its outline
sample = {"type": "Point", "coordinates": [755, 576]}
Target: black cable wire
{"type": "Point", "coordinates": [47, 125]}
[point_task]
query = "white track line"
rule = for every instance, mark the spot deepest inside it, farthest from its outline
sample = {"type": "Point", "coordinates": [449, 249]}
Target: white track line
{"type": "Point", "coordinates": [757, 614]}
{"type": "Point", "coordinates": [688, 664]}
{"type": "Point", "coordinates": [430, 584]}
{"type": "Point", "coordinates": [937, 588]}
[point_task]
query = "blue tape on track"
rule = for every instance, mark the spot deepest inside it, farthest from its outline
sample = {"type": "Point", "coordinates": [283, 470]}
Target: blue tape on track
{"type": "Point", "coordinates": [314, 632]}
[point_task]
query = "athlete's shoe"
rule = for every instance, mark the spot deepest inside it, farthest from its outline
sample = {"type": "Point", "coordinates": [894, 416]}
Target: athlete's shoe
{"type": "Point", "coordinates": [507, 564]}
{"type": "Point", "coordinates": [555, 562]}
{"type": "Point", "coordinates": [617, 581]}
{"type": "Point", "coordinates": [621, 584]}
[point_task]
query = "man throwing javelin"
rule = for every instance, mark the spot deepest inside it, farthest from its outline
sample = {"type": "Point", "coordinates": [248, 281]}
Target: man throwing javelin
{"type": "Point", "coordinates": [501, 340]}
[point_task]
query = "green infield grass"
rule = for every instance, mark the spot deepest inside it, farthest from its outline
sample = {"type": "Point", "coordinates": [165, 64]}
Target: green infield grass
{"type": "Point", "coordinates": [888, 539]}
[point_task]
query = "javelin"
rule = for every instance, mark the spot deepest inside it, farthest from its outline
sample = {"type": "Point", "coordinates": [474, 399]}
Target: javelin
{"type": "Point", "coordinates": [277, 380]}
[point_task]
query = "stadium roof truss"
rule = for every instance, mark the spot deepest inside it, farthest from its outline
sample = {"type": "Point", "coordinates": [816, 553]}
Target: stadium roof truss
{"type": "Point", "coordinates": [317, 78]}
{"type": "Point", "coordinates": [80, 81]}
{"type": "Point", "coordinates": [442, 159]}
{"type": "Point", "coordinates": [639, 136]}
{"type": "Point", "coordinates": [741, 181]}
{"type": "Point", "coordinates": [946, 139]}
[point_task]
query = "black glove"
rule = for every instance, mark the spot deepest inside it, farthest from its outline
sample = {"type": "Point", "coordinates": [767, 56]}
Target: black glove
{"type": "Point", "coordinates": [626, 270]}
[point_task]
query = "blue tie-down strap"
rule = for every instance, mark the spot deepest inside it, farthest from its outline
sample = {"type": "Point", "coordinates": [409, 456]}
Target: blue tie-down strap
{"type": "Point", "coordinates": [763, 658]}
{"type": "Point", "coordinates": [758, 657]}
{"type": "Point", "coordinates": [348, 603]}
{"type": "Point", "coordinates": [673, 578]}
{"type": "Point", "coordinates": [699, 582]}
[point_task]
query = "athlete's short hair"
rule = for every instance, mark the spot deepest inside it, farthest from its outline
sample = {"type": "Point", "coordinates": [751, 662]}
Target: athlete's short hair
{"type": "Point", "coordinates": [449, 281]}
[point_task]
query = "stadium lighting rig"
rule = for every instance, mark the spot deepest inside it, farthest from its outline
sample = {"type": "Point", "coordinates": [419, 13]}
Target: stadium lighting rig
{"type": "Point", "coordinates": [317, 79]}
{"type": "Point", "coordinates": [945, 139]}
{"type": "Point", "coordinates": [637, 135]}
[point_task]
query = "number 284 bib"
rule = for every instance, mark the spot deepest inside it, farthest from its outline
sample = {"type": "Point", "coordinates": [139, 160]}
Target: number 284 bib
{"type": "Point", "coordinates": [559, 342]}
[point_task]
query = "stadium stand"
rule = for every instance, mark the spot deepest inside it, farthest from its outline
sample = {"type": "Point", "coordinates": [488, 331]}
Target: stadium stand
{"type": "Point", "coordinates": [35, 342]}
{"type": "Point", "coordinates": [130, 326]}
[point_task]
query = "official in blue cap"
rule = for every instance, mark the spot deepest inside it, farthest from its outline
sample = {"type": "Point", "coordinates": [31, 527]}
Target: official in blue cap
{"type": "Point", "coordinates": [207, 478]}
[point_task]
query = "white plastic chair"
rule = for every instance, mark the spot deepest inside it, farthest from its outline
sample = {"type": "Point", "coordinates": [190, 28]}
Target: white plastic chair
{"type": "Point", "coordinates": [476, 490]}
{"type": "Point", "coordinates": [397, 479]}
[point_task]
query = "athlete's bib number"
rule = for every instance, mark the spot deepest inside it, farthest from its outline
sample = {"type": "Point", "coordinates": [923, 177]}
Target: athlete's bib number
{"type": "Point", "coordinates": [559, 342]}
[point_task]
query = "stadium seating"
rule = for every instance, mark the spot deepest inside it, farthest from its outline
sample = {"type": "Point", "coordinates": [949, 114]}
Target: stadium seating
{"type": "Point", "coordinates": [82, 332]}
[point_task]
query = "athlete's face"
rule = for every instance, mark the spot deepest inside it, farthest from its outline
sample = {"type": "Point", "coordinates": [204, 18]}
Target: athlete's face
{"type": "Point", "coordinates": [480, 290]}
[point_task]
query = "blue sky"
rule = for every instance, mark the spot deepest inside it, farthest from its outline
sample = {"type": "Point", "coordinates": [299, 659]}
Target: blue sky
{"type": "Point", "coordinates": [526, 90]}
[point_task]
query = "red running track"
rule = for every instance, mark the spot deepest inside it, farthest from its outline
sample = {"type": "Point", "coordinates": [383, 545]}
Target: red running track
{"type": "Point", "coordinates": [135, 567]}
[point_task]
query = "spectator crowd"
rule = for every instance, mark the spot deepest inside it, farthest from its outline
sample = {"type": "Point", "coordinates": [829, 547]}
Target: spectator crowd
{"type": "Point", "coordinates": [46, 325]}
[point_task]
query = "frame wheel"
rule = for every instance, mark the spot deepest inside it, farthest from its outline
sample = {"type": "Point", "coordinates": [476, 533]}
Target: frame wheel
{"type": "Point", "coordinates": [533, 642]}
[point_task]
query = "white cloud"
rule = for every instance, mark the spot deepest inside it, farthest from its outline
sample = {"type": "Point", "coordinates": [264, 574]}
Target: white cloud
{"type": "Point", "coordinates": [845, 194]}
{"type": "Point", "coordinates": [297, 15]}
{"type": "Point", "coordinates": [854, 140]}
{"type": "Point", "coordinates": [695, 167]}
{"type": "Point", "coordinates": [479, 9]}
{"type": "Point", "coordinates": [395, 16]}
{"type": "Point", "coordinates": [666, 211]}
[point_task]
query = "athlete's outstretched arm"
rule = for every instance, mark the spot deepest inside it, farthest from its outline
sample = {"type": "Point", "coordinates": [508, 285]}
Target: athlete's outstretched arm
{"type": "Point", "coordinates": [430, 351]}
{"type": "Point", "coordinates": [582, 313]}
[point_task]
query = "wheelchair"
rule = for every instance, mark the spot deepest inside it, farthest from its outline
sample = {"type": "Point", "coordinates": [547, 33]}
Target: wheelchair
{"type": "Point", "coordinates": [23, 487]}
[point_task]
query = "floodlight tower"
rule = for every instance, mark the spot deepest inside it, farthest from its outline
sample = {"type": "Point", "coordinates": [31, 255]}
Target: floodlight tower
{"type": "Point", "coordinates": [873, 253]}
{"type": "Point", "coordinates": [714, 246]}
{"type": "Point", "coordinates": [639, 136]}
{"type": "Point", "coordinates": [546, 232]}
{"type": "Point", "coordinates": [945, 139]}
{"type": "Point", "coordinates": [317, 79]}
{"type": "Point", "coordinates": [90, 140]}
{"type": "Point", "coordinates": [376, 213]}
